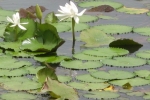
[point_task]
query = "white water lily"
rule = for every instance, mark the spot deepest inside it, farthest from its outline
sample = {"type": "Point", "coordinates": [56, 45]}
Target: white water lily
{"type": "Point", "coordinates": [70, 11]}
{"type": "Point", "coordinates": [16, 21]}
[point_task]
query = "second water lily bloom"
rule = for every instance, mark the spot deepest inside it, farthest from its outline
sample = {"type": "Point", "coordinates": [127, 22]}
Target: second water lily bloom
{"type": "Point", "coordinates": [70, 10]}
{"type": "Point", "coordinates": [15, 20]}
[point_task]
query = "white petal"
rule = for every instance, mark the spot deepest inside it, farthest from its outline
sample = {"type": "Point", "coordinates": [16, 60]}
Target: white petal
{"type": "Point", "coordinates": [60, 15]}
{"type": "Point", "coordinates": [24, 23]}
{"type": "Point", "coordinates": [9, 20]}
{"type": "Point", "coordinates": [13, 25]}
{"type": "Point", "coordinates": [64, 18]}
{"type": "Point", "coordinates": [74, 7]}
{"type": "Point", "coordinates": [81, 13]}
{"type": "Point", "coordinates": [21, 27]}
{"type": "Point", "coordinates": [64, 9]}
{"type": "Point", "coordinates": [76, 19]}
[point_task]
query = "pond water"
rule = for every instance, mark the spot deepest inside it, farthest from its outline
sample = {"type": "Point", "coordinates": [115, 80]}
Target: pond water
{"type": "Point", "coordinates": [133, 20]}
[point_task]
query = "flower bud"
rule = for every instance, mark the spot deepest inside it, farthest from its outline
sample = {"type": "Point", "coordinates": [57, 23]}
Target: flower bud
{"type": "Point", "coordinates": [38, 12]}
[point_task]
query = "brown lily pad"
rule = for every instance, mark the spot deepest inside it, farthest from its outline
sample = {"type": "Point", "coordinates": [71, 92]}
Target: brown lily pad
{"type": "Point", "coordinates": [25, 14]}
{"type": "Point", "coordinates": [32, 9]}
{"type": "Point", "coordinates": [102, 8]}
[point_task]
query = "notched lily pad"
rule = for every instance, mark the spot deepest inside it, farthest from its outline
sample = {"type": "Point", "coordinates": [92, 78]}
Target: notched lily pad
{"type": "Point", "coordinates": [64, 79]}
{"type": "Point", "coordinates": [132, 10]}
{"type": "Point", "coordinates": [128, 62]}
{"type": "Point", "coordinates": [75, 64]}
{"type": "Point", "coordinates": [142, 73]}
{"type": "Point", "coordinates": [145, 54]}
{"type": "Point", "coordinates": [114, 29]}
{"type": "Point", "coordinates": [142, 31]}
{"type": "Point", "coordinates": [94, 38]}
{"type": "Point", "coordinates": [101, 95]}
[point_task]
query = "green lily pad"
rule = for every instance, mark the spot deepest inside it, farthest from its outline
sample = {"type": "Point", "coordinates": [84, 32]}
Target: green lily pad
{"type": "Point", "coordinates": [78, 27]}
{"type": "Point", "coordinates": [80, 65]}
{"type": "Point", "coordinates": [142, 73]}
{"type": "Point", "coordinates": [51, 18]}
{"type": "Point", "coordinates": [6, 12]}
{"type": "Point", "coordinates": [2, 29]}
{"type": "Point", "coordinates": [89, 79]}
{"type": "Point", "coordinates": [15, 72]}
{"type": "Point", "coordinates": [61, 27]}
{"type": "Point", "coordinates": [82, 56]}
{"type": "Point", "coordinates": [132, 10]}
{"type": "Point", "coordinates": [85, 18]}
{"type": "Point", "coordinates": [18, 96]}
{"type": "Point", "coordinates": [94, 38]}
{"type": "Point", "coordinates": [125, 62]}
{"type": "Point", "coordinates": [115, 5]}
{"type": "Point", "coordinates": [112, 74]}
{"type": "Point", "coordinates": [88, 86]}
{"type": "Point", "coordinates": [148, 13]}
{"type": "Point", "coordinates": [106, 17]}
{"type": "Point", "coordinates": [143, 54]}
{"type": "Point", "coordinates": [64, 79]}
{"type": "Point", "coordinates": [146, 97]}
{"type": "Point", "coordinates": [51, 59]}
{"type": "Point", "coordinates": [34, 69]}
{"type": "Point", "coordinates": [114, 29]}
{"type": "Point", "coordinates": [106, 52]}
{"type": "Point", "coordinates": [142, 31]}
{"type": "Point", "coordinates": [133, 82]}
{"type": "Point", "coordinates": [99, 95]}
{"type": "Point", "coordinates": [10, 63]}
{"type": "Point", "coordinates": [135, 94]}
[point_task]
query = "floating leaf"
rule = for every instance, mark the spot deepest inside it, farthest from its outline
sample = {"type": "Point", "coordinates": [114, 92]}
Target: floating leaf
{"type": "Point", "coordinates": [114, 29]}
{"type": "Point", "coordinates": [132, 10]}
{"type": "Point", "coordinates": [17, 54]}
{"type": "Point", "coordinates": [79, 27]}
{"type": "Point", "coordinates": [89, 79]}
{"type": "Point", "coordinates": [82, 56]}
{"type": "Point", "coordinates": [142, 31]}
{"type": "Point", "coordinates": [101, 95]}
{"type": "Point", "coordinates": [18, 96]}
{"type": "Point", "coordinates": [10, 63]}
{"type": "Point", "coordinates": [106, 17]}
{"type": "Point", "coordinates": [135, 94]}
{"type": "Point", "coordinates": [64, 79]}
{"type": "Point", "coordinates": [51, 18]}
{"type": "Point", "coordinates": [128, 44]}
{"type": "Point", "coordinates": [61, 90]}
{"type": "Point", "coordinates": [112, 74]}
{"type": "Point", "coordinates": [142, 73]}
{"type": "Point", "coordinates": [34, 69]}
{"type": "Point", "coordinates": [143, 54]}
{"type": "Point", "coordinates": [115, 5]}
{"type": "Point", "coordinates": [85, 18]}
{"type": "Point", "coordinates": [51, 59]}
{"type": "Point", "coordinates": [106, 52]}
{"type": "Point", "coordinates": [133, 82]}
{"type": "Point", "coordinates": [2, 29]}
{"type": "Point", "coordinates": [146, 97]}
{"type": "Point", "coordinates": [61, 27]}
{"type": "Point", "coordinates": [95, 38]}
{"type": "Point", "coordinates": [88, 86]}
{"type": "Point", "coordinates": [102, 8]}
{"type": "Point", "coordinates": [148, 13]}
{"type": "Point", "coordinates": [80, 65]}
{"type": "Point", "coordinates": [10, 45]}
{"type": "Point", "coordinates": [124, 62]}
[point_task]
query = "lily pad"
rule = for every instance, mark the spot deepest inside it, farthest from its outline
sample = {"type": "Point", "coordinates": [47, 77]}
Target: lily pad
{"type": "Point", "coordinates": [114, 29]}
{"type": "Point", "coordinates": [10, 45]}
{"type": "Point", "coordinates": [94, 38]}
{"type": "Point", "coordinates": [142, 31]}
{"type": "Point", "coordinates": [106, 52]}
{"type": "Point", "coordinates": [18, 96]}
{"type": "Point", "coordinates": [115, 5]}
{"type": "Point", "coordinates": [133, 82]}
{"type": "Point", "coordinates": [85, 18]}
{"type": "Point", "coordinates": [143, 54]}
{"type": "Point", "coordinates": [112, 74]}
{"type": "Point", "coordinates": [2, 29]}
{"type": "Point", "coordinates": [34, 69]}
{"type": "Point", "coordinates": [6, 12]}
{"type": "Point", "coordinates": [9, 63]}
{"type": "Point", "coordinates": [142, 73]}
{"type": "Point", "coordinates": [80, 65]}
{"type": "Point", "coordinates": [82, 56]}
{"type": "Point", "coordinates": [78, 27]}
{"type": "Point", "coordinates": [132, 10]}
{"type": "Point", "coordinates": [125, 62]}
{"type": "Point", "coordinates": [106, 17]}
{"type": "Point", "coordinates": [135, 93]}
{"type": "Point", "coordinates": [88, 78]}
{"type": "Point", "coordinates": [61, 27]}
{"type": "Point", "coordinates": [88, 86]}
{"type": "Point", "coordinates": [64, 79]}
{"type": "Point", "coordinates": [99, 95]}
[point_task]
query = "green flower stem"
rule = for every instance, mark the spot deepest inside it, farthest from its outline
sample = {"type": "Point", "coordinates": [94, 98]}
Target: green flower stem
{"type": "Point", "coordinates": [73, 35]}
{"type": "Point", "coordinates": [16, 29]}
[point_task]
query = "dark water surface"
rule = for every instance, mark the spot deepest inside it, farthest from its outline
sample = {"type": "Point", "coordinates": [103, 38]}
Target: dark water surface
{"type": "Point", "coordinates": [122, 18]}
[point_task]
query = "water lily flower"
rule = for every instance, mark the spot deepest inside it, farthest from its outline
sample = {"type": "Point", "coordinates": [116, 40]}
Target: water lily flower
{"type": "Point", "coordinates": [15, 20]}
{"type": "Point", "coordinates": [70, 11]}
